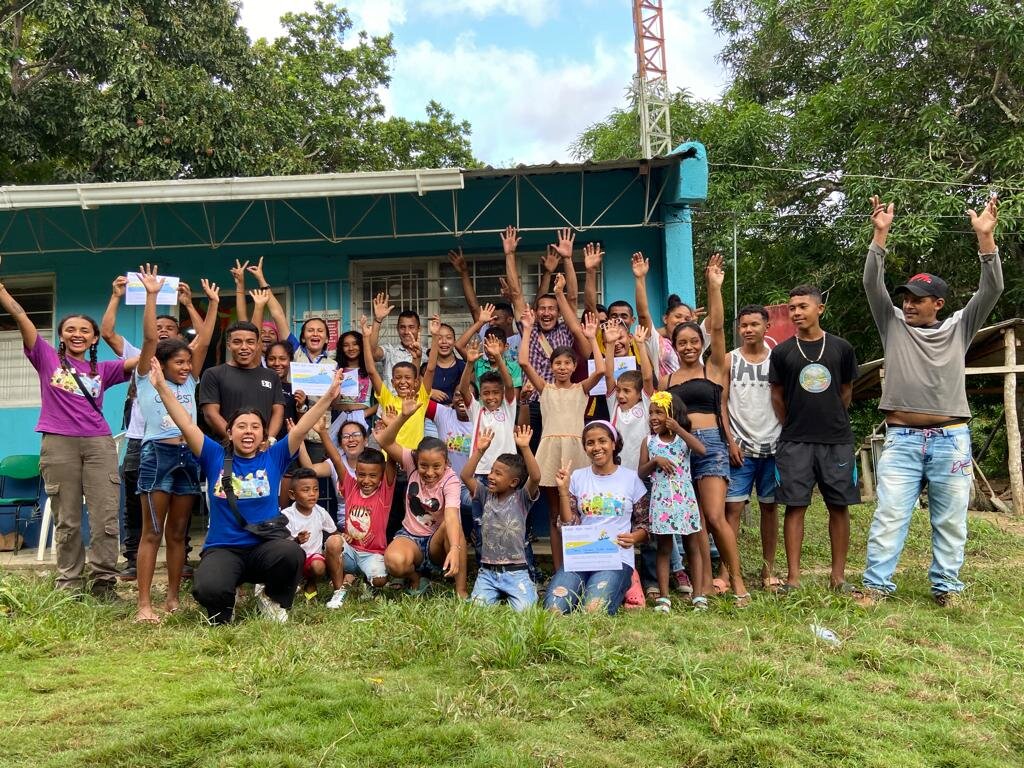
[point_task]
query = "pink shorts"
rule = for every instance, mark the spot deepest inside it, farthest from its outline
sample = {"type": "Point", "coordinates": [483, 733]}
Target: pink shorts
{"type": "Point", "coordinates": [307, 568]}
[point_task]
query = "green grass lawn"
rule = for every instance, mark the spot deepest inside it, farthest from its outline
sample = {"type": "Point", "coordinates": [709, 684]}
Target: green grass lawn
{"type": "Point", "coordinates": [438, 683]}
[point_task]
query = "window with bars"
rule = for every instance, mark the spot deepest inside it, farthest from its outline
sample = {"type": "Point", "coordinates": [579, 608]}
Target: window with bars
{"type": "Point", "coordinates": [432, 286]}
{"type": "Point", "coordinates": [19, 385]}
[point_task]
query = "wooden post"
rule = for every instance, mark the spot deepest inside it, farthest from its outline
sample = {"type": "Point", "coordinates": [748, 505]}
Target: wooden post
{"type": "Point", "coordinates": [1012, 422]}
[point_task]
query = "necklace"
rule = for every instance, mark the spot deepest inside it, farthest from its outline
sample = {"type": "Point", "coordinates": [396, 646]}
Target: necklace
{"type": "Point", "coordinates": [801, 350]}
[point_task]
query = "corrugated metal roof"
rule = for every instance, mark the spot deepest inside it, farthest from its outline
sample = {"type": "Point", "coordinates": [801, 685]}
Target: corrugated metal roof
{"type": "Point", "coordinates": [622, 163]}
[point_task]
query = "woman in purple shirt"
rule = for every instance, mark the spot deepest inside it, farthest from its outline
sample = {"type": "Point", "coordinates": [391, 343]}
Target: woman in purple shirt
{"type": "Point", "coordinates": [77, 457]}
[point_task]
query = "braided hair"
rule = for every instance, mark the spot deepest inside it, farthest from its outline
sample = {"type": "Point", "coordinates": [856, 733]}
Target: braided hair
{"type": "Point", "coordinates": [62, 349]}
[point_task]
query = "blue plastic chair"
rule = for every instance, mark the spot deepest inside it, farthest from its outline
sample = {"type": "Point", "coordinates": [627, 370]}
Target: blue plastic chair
{"type": "Point", "coordinates": [20, 488]}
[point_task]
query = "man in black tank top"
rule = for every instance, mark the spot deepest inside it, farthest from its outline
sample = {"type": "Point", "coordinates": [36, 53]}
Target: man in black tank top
{"type": "Point", "coordinates": [811, 376]}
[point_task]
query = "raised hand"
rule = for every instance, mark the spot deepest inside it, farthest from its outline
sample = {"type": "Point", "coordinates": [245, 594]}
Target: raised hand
{"type": "Point", "coordinates": [156, 373]}
{"type": "Point", "coordinates": [260, 296]}
{"type": "Point", "coordinates": [415, 349]}
{"type": "Point", "coordinates": [715, 274]}
{"type": "Point", "coordinates": [184, 293]}
{"type": "Point", "coordinates": [559, 286]}
{"type": "Point", "coordinates": [881, 214]}
{"type": "Point", "coordinates": [458, 261]}
{"type": "Point", "coordinates": [641, 334]}
{"type": "Point", "coordinates": [410, 405]}
{"type": "Point", "coordinates": [335, 389]}
{"type": "Point", "coordinates": [549, 261]}
{"type": "Point", "coordinates": [434, 325]}
{"type": "Point", "coordinates": [381, 308]}
{"type": "Point", "coordinates": [289, 424]}
{"type": "Point", "coordinates": [300, 398]}
{"type": "Point", "coordinates": [506, 290]}
{"type": "Point", "coordinates": [523, 435]}
{"type": "Point", "coordinates": [492, 347]}
{"type": "Point", "coordinates": [257, 271]}
{"type": "Point", "coordinates": [238, 272]}
{"type": "Point", "coordinates": [473, 352]}
{"type": "Point", "coordinates": [527, 318]}
{"type": "Point", "coordinates": [984, 223]}
{"type": "Point", "coordinates": [438, 396]}
{"type": "Point", "coordinates": [385, 416]}
{"type": "Point", "coordinates": [486, 314]}
{"type": "Point", "coordinates": [640, 265]}
{"type": "Point", "coordinates": [212, 290]}
{"type": "Point", "coordinates": [510, 240]}
{"type": "Point", "coordinates": [562, 476]}
{"type": "Point", "coordinates": [592, 256]}
{"type": "Point", "coordinates": [118, 287]}
{"type": "Point", "coordinates": [566, 238]}
{"type": "Point", "coordinates": [484, 439]}
{"type": "Point", "coordinates": [150, 279]}
{"type": "Point", "coordinates": [590, 325]}
{"type": "Point", "coordinates": [526, 393]}
{"type": "Point", "coordinates": [612, 332]}
{"type": "Point", "coordinates": [365, 326]}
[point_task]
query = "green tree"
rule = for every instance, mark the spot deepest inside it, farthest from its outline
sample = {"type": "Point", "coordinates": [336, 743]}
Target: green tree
{"type": "Point", "coordinates": [114, 90]}
{"type": "Point", "coordinates": [842, 91]}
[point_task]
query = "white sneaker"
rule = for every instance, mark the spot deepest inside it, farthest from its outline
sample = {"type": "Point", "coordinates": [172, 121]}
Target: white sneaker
{"type": "Point", "coordinates": [268, 607]}
{"type": "Point", "coordinates": [338, 598]}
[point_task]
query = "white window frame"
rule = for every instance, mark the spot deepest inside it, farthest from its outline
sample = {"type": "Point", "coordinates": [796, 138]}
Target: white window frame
{"type": "Point", "coordinates": [16, 373]}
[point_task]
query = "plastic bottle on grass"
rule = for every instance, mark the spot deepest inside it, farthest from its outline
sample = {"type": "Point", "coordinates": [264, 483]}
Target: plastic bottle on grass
{"type": "Point", "coordinates": [826, 635]}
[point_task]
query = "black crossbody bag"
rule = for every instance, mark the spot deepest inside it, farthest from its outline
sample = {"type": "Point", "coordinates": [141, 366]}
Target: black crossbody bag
{"type": "Point", "coordinates": [268, 530]}
{"type": "Point", "coordinates": [88, 395]}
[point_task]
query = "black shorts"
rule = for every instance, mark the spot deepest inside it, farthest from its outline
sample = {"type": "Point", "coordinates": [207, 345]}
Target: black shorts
{"type": "Point", "coordinates": [801, 465]}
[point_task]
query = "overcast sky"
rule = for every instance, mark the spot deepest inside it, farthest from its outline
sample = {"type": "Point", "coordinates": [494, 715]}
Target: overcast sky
{"type": "Point", "coordinates": [529, 75]}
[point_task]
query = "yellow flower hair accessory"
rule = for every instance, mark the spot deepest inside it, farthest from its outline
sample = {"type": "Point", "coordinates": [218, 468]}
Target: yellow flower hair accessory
{"type": "Point", "coordinates": [662, 400]}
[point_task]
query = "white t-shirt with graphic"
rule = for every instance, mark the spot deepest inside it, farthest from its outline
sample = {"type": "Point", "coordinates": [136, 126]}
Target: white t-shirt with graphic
{"type": "Point", "coordinates": [503, 422]}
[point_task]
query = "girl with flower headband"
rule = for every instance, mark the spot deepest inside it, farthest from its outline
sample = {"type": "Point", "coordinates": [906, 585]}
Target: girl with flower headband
{"type": "Point", "coordinates": [603, 494]}
{"type": "Point", "coordinates": [665, 458]}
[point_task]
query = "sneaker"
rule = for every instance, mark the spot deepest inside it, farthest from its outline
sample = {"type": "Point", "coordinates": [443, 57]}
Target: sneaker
{"type": "Point", "coordinates": [866, 597]}
{"type": "Point", "coordinates": [128, 573]}
{"type": "Point", "coordinates": [683, 583]}
{"type": "Point", "coordinates": [105, 591]}
{"type": "Point", "coordinates": [268, 607]}
{"type": "Point", "coordinates": [338, 598]}
{"type": "Point", "coordinates": [187, 572]}
{"type": "Point", "coordinates": [947, 599]}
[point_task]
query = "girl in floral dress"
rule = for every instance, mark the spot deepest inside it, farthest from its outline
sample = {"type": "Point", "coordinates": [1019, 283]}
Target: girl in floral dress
{"type": "Point", "coordinates": [665, 459]}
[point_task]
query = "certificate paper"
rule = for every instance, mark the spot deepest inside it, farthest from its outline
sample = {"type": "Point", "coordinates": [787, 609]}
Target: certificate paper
{"type": "Point", "coordinates": [622, 364]}
{"type": "Point", "coordinates": [312, 378]}
{"type": "Point", "coordinates": [135, 291]}
{"type": "Point", "coordinates": [350, 384]}
{"type": "Point", "coordinates": [592, 547]}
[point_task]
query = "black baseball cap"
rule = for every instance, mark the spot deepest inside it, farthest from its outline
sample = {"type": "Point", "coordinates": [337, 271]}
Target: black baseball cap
{"type": "Point", "coordinates": [925, 284]}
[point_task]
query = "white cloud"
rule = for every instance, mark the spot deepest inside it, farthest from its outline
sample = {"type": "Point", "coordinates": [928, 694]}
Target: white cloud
{"type": "Point", "coordinates": [691, 46]}
{"type": "Point", "coordinates": [376, 17]}
{"type": "Point", "coordinates": [262, 18]}
{"type": "Point", "coordinates": [534, 12]}
{"type": "Point", "coordinates": [522, 108]}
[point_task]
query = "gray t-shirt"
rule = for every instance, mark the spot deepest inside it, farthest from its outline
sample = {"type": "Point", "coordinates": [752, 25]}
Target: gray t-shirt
{"type": "Point", "coordinates": [751, 416]}
{"type": "Point", "coordinates": [924, 367]}
{"type": "Point", "coordinates": [503, 527]}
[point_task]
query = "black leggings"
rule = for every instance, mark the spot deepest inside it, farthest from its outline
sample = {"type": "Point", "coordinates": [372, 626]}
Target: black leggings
{"type": "Point", "coordinates": [276, 564]}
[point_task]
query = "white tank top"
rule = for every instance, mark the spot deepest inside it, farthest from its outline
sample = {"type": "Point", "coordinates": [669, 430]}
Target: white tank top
{"type": "Point", "coordinates": [751, 416]}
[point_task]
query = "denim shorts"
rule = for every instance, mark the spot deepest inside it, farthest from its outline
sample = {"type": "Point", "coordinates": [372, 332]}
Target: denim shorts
{"type": "Point", "coordinates": [168, 468]}
{"type": "Point", "coordinates": [514, 586]}
{"type": "Point", "coordinates": [753, 471]}
{"type": "Point", "coordinates": [426, 566]}
{"type": "Point", "coordinates": [370, 564]}
{"type": "Point", "coordinates": [715, 461]}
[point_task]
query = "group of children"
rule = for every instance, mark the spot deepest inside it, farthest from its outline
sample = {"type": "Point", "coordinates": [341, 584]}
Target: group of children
{"type": "Point", "coordinates": [661, 442]}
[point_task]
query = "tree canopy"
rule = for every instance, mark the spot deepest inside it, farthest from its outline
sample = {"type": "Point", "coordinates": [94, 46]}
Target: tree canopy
{"type": "Point", "coordinates": [116, 90]}
{"type": "Point", "coordinates": [919, 101]}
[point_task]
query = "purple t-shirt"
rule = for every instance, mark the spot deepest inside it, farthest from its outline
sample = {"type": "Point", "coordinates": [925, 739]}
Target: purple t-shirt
{"type": "Point", "coordinates": [64, 409]}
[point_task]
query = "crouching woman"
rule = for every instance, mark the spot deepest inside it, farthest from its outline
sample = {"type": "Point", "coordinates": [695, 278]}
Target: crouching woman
{"type": "Point", "coordinates": [248, 540]}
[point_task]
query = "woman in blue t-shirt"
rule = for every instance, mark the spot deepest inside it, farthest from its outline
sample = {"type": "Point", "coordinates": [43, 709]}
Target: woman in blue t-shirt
{"type": "Point", "coordinates": [168, 473]}
{"type": "Point", "coordinates": [233, 555]}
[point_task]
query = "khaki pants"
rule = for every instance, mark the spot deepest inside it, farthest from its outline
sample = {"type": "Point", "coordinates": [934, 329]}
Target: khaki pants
{"type": "Point", "coordinates": [73, 467]}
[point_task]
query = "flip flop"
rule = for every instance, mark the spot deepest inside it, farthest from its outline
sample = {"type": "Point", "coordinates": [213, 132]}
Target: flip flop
{"type": "Point", "coordinates": [141, 620]}
{"type": "Point", "coordinates": [771, 583]}
{"type": "Point", "coordinates": [742, 601]}
{"type": "Point", "coordinates": [721, 586]}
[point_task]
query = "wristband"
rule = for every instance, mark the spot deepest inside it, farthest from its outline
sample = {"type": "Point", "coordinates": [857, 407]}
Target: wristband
{"type": "Point", "coordinates": [265, 287]}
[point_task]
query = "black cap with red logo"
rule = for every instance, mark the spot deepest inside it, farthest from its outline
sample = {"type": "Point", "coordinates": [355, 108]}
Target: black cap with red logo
{"type": "Point", "coordinates": [925, 284]}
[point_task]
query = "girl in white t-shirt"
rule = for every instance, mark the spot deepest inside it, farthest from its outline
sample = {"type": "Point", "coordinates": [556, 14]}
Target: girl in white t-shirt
{"type": "Point", "coordinates": [629, 397]}
{"type": "Point", "coordinates": [605, 495]}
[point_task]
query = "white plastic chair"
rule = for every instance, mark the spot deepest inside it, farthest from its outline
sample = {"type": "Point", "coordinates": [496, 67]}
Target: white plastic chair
{"type": "Point", "coordinates": [47, 521]}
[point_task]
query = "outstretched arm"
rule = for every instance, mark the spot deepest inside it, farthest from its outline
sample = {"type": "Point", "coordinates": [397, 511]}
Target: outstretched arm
{"type": "Point", "coordinates": [381, 310]}
{"type": "Point", "coordinates": [569, 317]}
{"type": "Point", "coordinates": [509, 243]}
{"type": "Point", "coordinates": [566, 239]}
{"type": "Point", "coordinates": [388, 437]}
{"type": "Point", "coordinates": [314, 413]}
{"type": "Point", "coordinates": [238, 275]}
{"type": "Point", "coordinates": [990, 285]}
{"type": "Point", "coordinates": [185, 299]}
{"type": "Point", "coordinates": [152, 283]}
{"type": "Point", "coordinates": [205, 331]}
{"type": "Point", "coordinates": [590, 332]}
{"type": "Point", "coordinates": [874, 266]}
{"type": "Point", "coordinates": [716, 312]}
{"type": "Point", "coordinates": [641, 267]}
{"type": "Point", "coordinates": [592, 258]}
{"type": "Point", "coordinates": [483, 316]}
{"type": "Point", "coordinates": [646, 368]}
{"type": "Point", "coordinates": [458, 262]}
{"type": "Point", "coordinates": [524, 352]}
{"type": "Point", "coordinates": [371, 365]}
{"type": "Point", "coordinates": [428, 372]}
{"type": "Point", "coordinates": [523, 435]}
{"type": "Point", "coordinates": [468, 474]}
{"type": "Point", "coordinates": [472, 354]}
{"type": "Point", "coordinates": [114, 340]}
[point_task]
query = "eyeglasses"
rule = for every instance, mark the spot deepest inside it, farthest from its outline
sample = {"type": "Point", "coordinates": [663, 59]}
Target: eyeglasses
{"type": "Point", "coordinates": [352, 436]}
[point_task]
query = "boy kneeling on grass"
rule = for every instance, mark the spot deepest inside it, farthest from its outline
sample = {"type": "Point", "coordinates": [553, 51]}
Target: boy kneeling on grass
{"type": "Point", "coordinates": [511, 488]}
{"type": "Point", "coordinates": [307, 523]}
{"type": "Point", "coordinates": [368, 498]}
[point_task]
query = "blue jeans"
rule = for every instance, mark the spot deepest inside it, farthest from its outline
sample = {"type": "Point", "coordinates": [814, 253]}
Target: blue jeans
{"type": "Point", "coordinates": [911, 458]}
{"type": "Point", "coordinates": [515, 586]}
{"type": "Point", "coordinates": [568, 590]}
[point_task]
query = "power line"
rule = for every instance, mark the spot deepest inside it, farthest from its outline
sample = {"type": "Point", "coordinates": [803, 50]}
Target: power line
{"type": "Point", "coordinates": [20, 10]}
{"type": "Point", "coordinates": [843, 174]}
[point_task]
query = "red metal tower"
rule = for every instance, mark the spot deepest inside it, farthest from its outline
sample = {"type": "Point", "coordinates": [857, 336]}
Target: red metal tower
{"type": "Point", "coordinates": [651, 81]}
